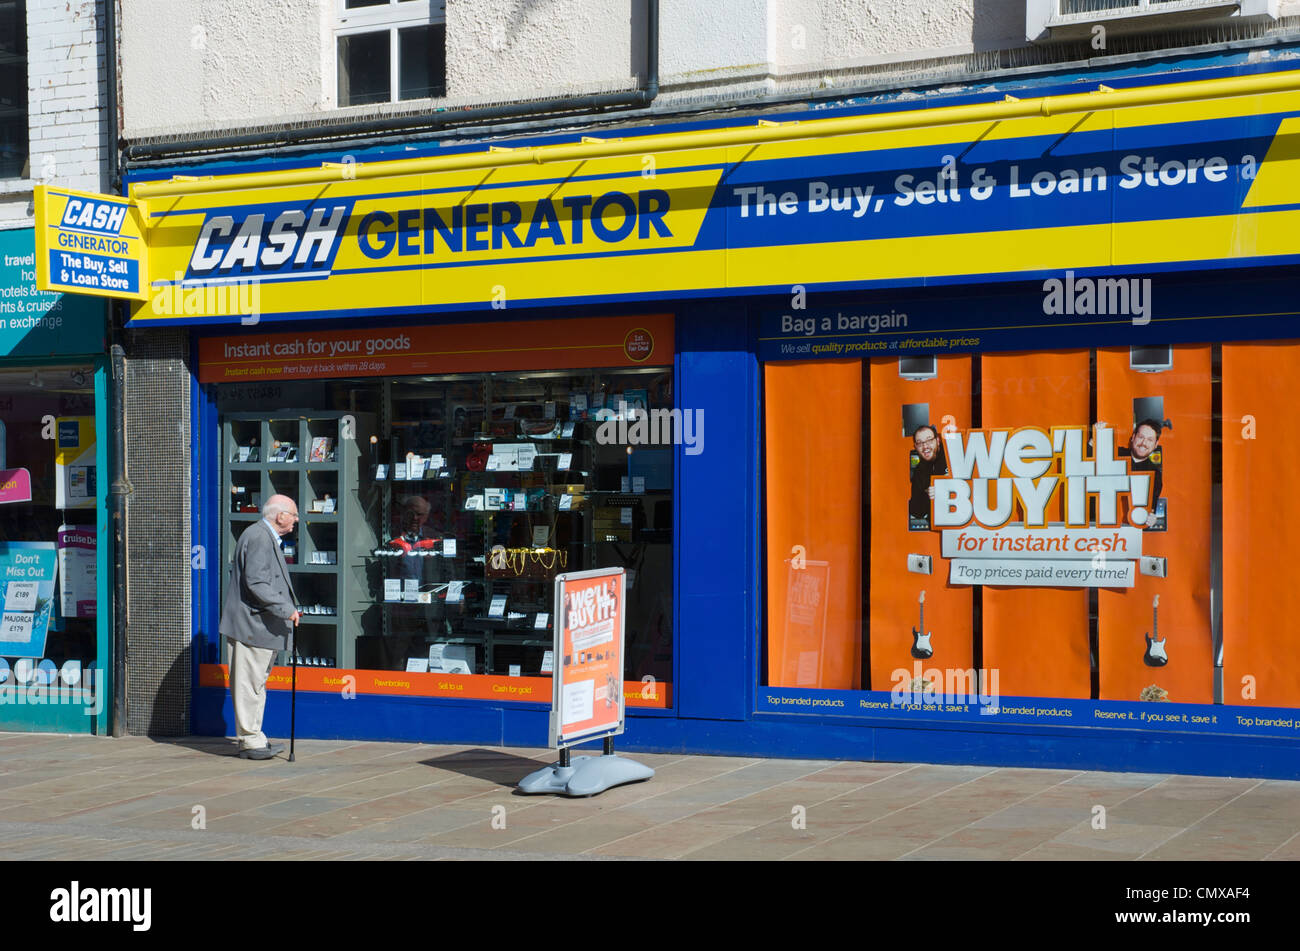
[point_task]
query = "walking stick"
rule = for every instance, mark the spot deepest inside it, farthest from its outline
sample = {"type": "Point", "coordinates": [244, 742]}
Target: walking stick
{"type": "Point", "coordinates": [293, 692]}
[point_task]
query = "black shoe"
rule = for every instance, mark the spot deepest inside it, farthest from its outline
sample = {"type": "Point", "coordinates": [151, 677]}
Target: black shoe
{"type": "Point", "coordinates": [264, 752]}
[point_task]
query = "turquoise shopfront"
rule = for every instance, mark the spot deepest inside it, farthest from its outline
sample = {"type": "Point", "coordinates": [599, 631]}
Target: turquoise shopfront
{"type": "Point", "coordinates": [56, 627]}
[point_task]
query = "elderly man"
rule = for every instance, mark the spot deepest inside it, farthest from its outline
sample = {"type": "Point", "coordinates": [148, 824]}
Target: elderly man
{"type": "Point", "coordinates": [257, 620]}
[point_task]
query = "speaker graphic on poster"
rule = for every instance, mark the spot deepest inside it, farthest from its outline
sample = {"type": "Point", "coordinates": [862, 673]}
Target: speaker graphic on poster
{"type": "Point", "coordinates": [74, 462]}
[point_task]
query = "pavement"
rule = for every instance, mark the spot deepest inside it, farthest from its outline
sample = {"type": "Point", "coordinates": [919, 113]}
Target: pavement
{"type": "Point", "coordinates": [139, 798]}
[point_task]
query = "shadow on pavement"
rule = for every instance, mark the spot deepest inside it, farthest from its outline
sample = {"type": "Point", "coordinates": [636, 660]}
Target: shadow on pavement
{"type": "Point", "coordinates": [495, 766]}
{"type": "Point", "coordinates": [212, 745]}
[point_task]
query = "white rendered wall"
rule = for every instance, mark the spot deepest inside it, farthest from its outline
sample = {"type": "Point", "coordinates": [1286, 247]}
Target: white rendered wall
{"type": "Point", "coordinates": [219, 63]}
{"type": "Point", "coordinates": [199, 65]}
{"type": "Point", "coordinates": [65, 94]}
{"type": "Point", "coordinates": [207, 64]}
{"type": "Point", "coordinates": [508, 51]}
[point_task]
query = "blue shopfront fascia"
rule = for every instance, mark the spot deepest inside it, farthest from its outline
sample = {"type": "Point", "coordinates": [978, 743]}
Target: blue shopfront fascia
{"type": "Point", "coordinates": [715, 370]}
{"type": "Point", "coordinates": [719, 705]}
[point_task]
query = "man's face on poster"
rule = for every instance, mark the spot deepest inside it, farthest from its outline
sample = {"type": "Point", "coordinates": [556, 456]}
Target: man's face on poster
{"type": "Point", "coordinates": [926, 441]}
{"type": "Point", "coordinates": [1143, 442]}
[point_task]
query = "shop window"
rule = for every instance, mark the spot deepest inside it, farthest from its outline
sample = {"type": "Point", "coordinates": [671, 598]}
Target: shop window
{"type": "Point", "coordinates": [48, 493]}
{"type": "Point", "coordinates": [893, 553]}
{"type": "Point", "coordinates": [13, 90]}
{"type": "Point", "coordinates": [437, 511]}
{"type": "Point", "coordinates": [814, 525]}
{"type": "Point", "coordinates": [390, 50]}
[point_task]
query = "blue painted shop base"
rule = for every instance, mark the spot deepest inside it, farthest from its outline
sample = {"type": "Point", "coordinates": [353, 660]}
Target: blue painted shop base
{"type": "Point", "coordinates": [792, 736]}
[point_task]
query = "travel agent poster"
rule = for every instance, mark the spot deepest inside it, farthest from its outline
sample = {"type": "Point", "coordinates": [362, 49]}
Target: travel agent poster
{"type": "Point", "coordinates": [589, 622]}
{"type": "Point", "coordinates": [76, 548]}
{"type": "Point", "coordinates": [74, 462]}
{"type": "Point", "coordinates": [27, 575]}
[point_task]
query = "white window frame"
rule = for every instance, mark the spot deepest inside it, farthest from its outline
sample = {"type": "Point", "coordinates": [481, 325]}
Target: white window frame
{"type": "Point", "coordinates": [394, 16]}
{"type": "Point", "coordinates": [1042, 16]}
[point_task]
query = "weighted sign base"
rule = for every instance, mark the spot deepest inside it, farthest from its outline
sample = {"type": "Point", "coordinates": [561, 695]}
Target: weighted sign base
{"type": "Point", "coordinates": [586, 776]}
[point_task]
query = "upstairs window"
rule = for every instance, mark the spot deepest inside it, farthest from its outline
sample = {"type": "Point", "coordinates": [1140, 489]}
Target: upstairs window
{"type": "Point", "coordinates": [1073, 19]}
{"type": "Point", "coordinates": [13, 90]}
{"type": "Point", "coordinates": [390, 50]}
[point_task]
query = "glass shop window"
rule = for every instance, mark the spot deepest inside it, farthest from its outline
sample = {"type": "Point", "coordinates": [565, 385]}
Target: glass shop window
{"type": "Point", "coordinates": [437, 511]}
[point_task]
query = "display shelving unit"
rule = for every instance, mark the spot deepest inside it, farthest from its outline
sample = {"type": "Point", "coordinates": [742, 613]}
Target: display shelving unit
{"type": "Point", "coordinates": [333, 592]}
{"type": "Point", "coordinates": [578, 532]}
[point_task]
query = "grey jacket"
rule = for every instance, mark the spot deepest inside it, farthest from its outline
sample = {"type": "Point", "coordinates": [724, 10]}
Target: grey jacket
{"type": "Point", "coordinates": [259, 601]}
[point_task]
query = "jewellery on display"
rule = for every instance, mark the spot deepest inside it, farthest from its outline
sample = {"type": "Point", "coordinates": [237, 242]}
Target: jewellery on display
{"type": "Point", "coordinates": [538, 563]}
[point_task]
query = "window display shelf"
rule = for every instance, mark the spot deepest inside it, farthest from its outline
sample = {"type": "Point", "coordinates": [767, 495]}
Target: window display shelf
{"type": "Point", "coordinates": [632, 497]}
{"type": "Point", "coordinates": [529, 611]}
{"type": "Point", "coordinates": [519, 638]}
{"type": "Point", "coordinates": [263, 466]}
{"type": "Point", "coordinates": [412, 482]}
{"type": "Point", "coordinates": [519, 437]}
{"type": "Point", "coordinates": [508, 627]}
{"type": "Point", "coordinates": [533, 512]}
{"type": "Point", "coordinates": [341, 585]}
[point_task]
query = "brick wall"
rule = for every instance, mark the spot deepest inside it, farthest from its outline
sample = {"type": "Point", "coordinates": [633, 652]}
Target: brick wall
{"type": "Point", "coordinates": [66, 92]}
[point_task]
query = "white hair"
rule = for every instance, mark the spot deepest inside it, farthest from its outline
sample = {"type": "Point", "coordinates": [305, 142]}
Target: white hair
{"type": "Point", "coordinates": [273, 508]}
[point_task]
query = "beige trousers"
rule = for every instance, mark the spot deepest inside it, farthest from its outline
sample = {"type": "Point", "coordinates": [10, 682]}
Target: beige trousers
{"type": "Point", "coordinates": [249, 668]}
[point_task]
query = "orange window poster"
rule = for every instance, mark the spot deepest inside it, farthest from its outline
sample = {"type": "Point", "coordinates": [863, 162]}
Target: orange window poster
{"type": "Point", "coordinates": [588, 696]}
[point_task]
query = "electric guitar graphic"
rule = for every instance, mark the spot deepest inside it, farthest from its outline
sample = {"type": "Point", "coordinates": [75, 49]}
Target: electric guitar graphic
{"type": "Point", "coordinates": [1155, 655]}
{"type": "Point", "coordinates": [921, 648]}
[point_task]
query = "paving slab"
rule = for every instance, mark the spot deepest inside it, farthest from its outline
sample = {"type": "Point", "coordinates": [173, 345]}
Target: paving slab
{"type": "Point", "coordinates": [133, 799]}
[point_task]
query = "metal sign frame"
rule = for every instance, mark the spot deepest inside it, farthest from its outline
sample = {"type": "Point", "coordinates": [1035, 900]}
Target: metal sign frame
{"type": "Point", "coordinates": [558, 738]}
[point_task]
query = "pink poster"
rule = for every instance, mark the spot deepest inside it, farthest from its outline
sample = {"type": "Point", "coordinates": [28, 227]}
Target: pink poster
{"type": "Point", "coordinates": [15, 486]}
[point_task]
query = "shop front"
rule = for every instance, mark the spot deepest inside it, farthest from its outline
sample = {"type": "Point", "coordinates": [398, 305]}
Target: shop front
{"type": "Point", "coordinates": [1078, 538]}
{"type": "Point", "coordinates": [55, 636]}
{"type": "Point", "coordinates": [445, 476]}
{"type": "Point", "coordinates": [941, 434]}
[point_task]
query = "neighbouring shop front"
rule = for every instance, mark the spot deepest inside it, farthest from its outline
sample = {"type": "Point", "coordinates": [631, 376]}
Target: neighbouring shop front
{"type": "Point", "coordinates": [55, 636]}
{"type": "Point", "coordinates": [921, 436]}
